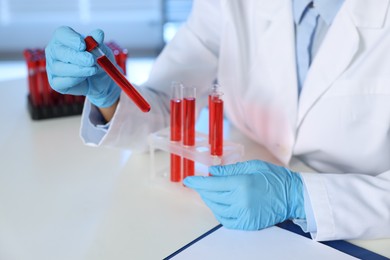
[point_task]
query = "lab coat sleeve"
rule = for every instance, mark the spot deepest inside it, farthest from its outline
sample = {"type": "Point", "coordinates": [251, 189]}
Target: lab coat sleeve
{"type": "Point", "coordinates": [191, 57]}
{"type": "Point", "coordinates": [93, 125]}
{"type": "Point", "coordinates": [349, 206]}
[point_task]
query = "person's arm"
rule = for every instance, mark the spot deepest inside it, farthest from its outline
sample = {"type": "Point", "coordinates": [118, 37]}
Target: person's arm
{"type": "Point", "coordinates": [191, 53]}
{"type": "Point", "coordinates": [108, 112]}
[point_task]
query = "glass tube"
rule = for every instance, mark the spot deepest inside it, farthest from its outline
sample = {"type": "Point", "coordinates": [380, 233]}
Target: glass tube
{"type": "Point", "coordinates": [189, 108]}
{"type": "Point", "coordinates": [176, 105]}
{"type": "Point", "coordinates": [216, 121]}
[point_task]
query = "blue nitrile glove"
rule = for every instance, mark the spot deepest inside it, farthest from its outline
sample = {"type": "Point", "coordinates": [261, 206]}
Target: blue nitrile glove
{"type": "Point", "coordinates": [73, 70]}
{"type": "Point", "coordinates": [251, 195]}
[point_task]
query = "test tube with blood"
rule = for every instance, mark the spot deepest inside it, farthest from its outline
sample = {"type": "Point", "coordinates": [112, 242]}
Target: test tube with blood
{"type": "Point", "coordinates": [211, 112]}
{"type": "Point", "coordinates": [32, 67]}
{"type": "Point", "coordinates": [189, 105]}
{"type": "Point", "coordinates": [116, 75]}
{"type": "Point", "coordinates": [120, 55]}
{"type": "Point", "coordinates": [43, 81]}
{"type": "Point", "coordinates": [176, 128]}
{"type": "Point", "coordinates": [216, 121]}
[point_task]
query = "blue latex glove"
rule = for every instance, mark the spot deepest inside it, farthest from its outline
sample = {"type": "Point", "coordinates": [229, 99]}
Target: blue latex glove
{"type": "Point", "coordinates": [73, 70]}
{"type": "Point", "coordinates": [251, 195]}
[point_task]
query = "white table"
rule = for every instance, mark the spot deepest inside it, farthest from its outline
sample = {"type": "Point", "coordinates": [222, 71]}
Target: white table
{"type": "Point", "coordinates": [61, 200]}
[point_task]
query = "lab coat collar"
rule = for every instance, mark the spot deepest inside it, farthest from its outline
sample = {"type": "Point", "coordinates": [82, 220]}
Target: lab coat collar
{"type": "Point", "coordinates": [335, 54]}
{"type": "Point", "coordinates": [339, 48]}
{"type": "Point", "coordinates": [364, 13]}
{"type": "Point", "coordinates": [368, 14]}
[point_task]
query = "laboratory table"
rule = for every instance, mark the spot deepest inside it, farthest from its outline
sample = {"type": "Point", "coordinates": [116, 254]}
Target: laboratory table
{"type": "Point", "coordinates": [61, 199]}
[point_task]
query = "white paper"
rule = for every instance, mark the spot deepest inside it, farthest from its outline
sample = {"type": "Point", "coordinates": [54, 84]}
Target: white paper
{"type": "Point", "coordinates": [271, 243]}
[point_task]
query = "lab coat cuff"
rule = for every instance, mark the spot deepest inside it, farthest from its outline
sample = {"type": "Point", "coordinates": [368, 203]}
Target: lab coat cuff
{"type": "Point", "coordinates": [308, 224]}
{"type": "Point", "coordinates": [321, 223]}
{"type": "Point", "coordinates": [93, 127]}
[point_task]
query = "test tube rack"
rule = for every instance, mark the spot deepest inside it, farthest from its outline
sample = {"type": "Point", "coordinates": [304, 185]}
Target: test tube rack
{"type": "Point", "coordinates": [42, 101]}
{"type": "Point", "coordinates": [200, 153]}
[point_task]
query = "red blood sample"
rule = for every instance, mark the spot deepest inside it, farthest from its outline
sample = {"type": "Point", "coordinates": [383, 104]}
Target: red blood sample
{"type": "Point", "coordinates": [122, 60]}
{"type": "Point", "coordinates": [32, 67]}
{"type": "Point", "coordinates": [188, 133]}
{"type": "Point", "coordinates": [216, 126]}
{"type": "Point", "coordinates": [211, 119]}
{"type": "Point", "coordinates": [176, 133]}
{"type": "Point", "coordinates": [122, 82]}
{"type": "Point", "coordinates": [189, 121]}
{"type": "Point", "coordinates": [188, 168]}
{"type": "Point", "coordinates": [116, 75]}
{"type": "Point", "coordinates": [43, 81]}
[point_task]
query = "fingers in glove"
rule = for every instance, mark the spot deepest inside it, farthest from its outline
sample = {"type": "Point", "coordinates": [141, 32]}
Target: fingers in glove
{"type": "Point", "coordinates": [209, 183]}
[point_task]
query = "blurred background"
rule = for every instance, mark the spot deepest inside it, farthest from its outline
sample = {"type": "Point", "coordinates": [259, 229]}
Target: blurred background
{"type": "Point", "coordinates": [141, 26]}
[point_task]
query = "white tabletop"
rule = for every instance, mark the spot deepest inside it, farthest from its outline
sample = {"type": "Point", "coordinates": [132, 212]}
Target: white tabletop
{"type": "Point", "coordinates": [60, 199]}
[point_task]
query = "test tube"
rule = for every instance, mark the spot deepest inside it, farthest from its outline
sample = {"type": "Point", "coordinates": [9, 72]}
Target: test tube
{"type": "Point", "coordinates": [32, 68]}
{"type": "Point", "coordinates": [211, 111]}
{"type": "Point", "coordinates": [122, 60]}
{"type": "Point", "coordinates": [176, 128]}
{"type": "Point", "coordinates": [116, 52]}
{"type": "Point", "coordinates": [43, 81]}
{"type": "Point", "coordinates": [119, 54]}
{"type": "Point", "coordinates": [116, 75]}
{"type": "Point", "coordinates": [189, 105]}
{"type": "Point", "coordinates": [216, 121]}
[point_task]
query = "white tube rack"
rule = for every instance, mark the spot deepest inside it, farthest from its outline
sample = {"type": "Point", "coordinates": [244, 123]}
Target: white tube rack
{"type": "Point", "coordinates": [200, 153]}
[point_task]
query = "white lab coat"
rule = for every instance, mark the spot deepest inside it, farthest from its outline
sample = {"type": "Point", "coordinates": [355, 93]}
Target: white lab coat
{"type": "Point", "coordinates": [340, 126]}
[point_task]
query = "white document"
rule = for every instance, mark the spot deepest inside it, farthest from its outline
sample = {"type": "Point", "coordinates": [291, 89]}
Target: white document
{"type": "Point", "coordinates": [270, 243]}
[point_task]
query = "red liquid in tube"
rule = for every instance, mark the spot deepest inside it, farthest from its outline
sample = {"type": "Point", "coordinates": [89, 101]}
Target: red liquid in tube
{"type": "Point", "coordinates": [189, 121]}
{"type": "Point", "coordinates": [44, 82]}
{"type": "Point", "coordinates": [122, 60]}
{"type": "Point", "coordinates": [116, 75]}
{"type": "Point", "coordinates": [176, 134]}
{"type": "Point", "coordinates": [216, 115]}
{"type": "Point", "coordinates": [175, 168]}
{"type": "Point", "coordinates": [211, 119]}
{"type": "Point", "coordinates": [188, 133]}
{"type": "Point", "coordinates": [122, 82]}
{"type": "Point", "coordinates": [188, 168]}
{"type": "Point", "coordinates": [32, 67]}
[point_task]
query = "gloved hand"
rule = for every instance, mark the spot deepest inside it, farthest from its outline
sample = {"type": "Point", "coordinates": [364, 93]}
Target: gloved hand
{"type": "Point", "coordinates": [251, 195]}
{"type": "Point", "coordinates": [73, 70]}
